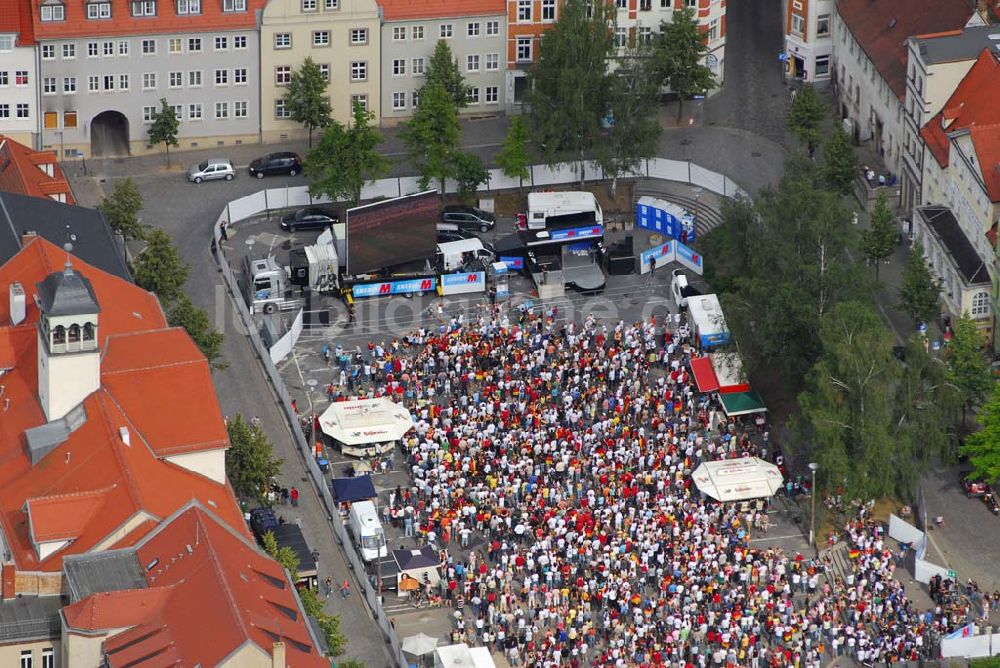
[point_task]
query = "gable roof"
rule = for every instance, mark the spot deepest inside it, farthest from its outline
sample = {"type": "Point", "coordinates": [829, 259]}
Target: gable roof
{"type": "Point", "coordinates": [23, 170]}
{"type": "Point", "coordinates": [955, 45]}
{"type": "Point", "coordinates": [882, 27]}
{"type": "Point", "coordinates": [91, 236]}
{"type": "Point", "coordinates": [15, 16]}
{"type": "Point", "coordinates": [945, 227]}
{"type": "Point", "coordinates": [91, 487]}
{"type": "Point", "coordinates": [210, 591]}
{"type": "Point", "coordinates": [972, 108]}
{"type": "Point", "coordinates": [403, 10]}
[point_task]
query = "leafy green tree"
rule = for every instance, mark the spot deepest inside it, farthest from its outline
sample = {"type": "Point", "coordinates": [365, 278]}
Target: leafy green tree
{"type": "Point", "coordinates": [351, 663]}
{"type": "Point", "coordinates": [164, 128]}
{"type": "Point", "coordinates": [847, 407]}
{"type": "Point", "coordinates": [250, 460]}
{"type": "Point", "coordinates": [920, 291]}
{"type": "Point", "coordinates": [513, 158]}
{"type": "Point", "coordinates": [431, 136]}
{"type": "Point", "coordinates": [443, 69]}
{"type": "Point", "coordinates": [470, 173]}
{"type": "Point", "coordinates": [634, 131]}
{"type": "Point", "coordinates": [840, 165]}
{"type": "Point", "coordinates": [159, 268]}
{"type": "Point", "coordinates": [968, 369]}
{"type": "Point", "coordinates": [983, 446]}
{"type": "Point", "coordinates": [283, 555]}
{"type": "Point", "coordinates": [879, 240]}
{"type": "Point", "coordinates": [347, 158]}
{"type": "Point", "coordinates": [806, 115]}
{"type": "Point", "coordinates": [183, 313]}
{"type": "Point", "coordinates": [680, 48]}
{"type": "Point", "coordinates": [121, 210]}
{"type": "Point", "coordinates": [568, 88]}
{"type": "Point", "coordinates": [306, 100]}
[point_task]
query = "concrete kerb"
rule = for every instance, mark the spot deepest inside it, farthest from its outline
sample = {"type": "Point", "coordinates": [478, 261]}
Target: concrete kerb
{"type": "Point", "coordinates": [709, 180]}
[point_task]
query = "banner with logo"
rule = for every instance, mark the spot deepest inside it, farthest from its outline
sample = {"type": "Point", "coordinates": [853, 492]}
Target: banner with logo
{"type": "Point", "coordinates": [576, 233]}
{"type": "Point", "coordinates": [457, 284]}
{"type": "Point", "coordinates": [387, 288]}
{"type": "Point", "coordinates": [513, 263]}
{"type": "Point", "coordinates": [689, 258]}
{"type": "Point", "coordinates": [663, 254]}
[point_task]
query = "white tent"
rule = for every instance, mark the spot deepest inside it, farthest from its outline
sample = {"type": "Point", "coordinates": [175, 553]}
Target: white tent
{"type": "Point", "coordinates": [462, 656]}
{"type": "Point", "coordinates": [738, 479]}
{"type": "Point", "coordinates": [364, 424]}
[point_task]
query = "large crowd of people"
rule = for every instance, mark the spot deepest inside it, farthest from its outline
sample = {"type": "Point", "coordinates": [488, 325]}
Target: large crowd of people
{"type": "Point", "coordinates": [551, 463]}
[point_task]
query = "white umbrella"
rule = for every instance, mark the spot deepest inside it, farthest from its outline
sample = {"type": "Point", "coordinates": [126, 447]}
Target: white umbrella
{"type": "Point", "coordinates": [419, 644]}
{"type": "Point", "coordinates": [366, 421]}
{"type": "Point", "coordinates": [738, 479]}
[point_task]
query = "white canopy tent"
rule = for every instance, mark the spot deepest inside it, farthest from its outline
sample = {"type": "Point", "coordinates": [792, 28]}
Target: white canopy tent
{"type": "Point", "coordinates": [738, 479]}
{"type": "Point", "coordinates": [365, 426]}
{"type": "Point", "coordinates": [462, 656]}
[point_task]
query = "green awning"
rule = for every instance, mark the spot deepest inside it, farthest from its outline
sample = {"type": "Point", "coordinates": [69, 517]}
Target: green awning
{"type": "Point", "coordinates": [742, 403]}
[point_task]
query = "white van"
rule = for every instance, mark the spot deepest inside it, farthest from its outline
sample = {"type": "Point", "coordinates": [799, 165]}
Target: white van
{"type": "Point", "coordinates": [576, 206]}
{"type": "Point", "coordinates": [454, 253]}
{"type": "Point", "coordinates": [367, 530]}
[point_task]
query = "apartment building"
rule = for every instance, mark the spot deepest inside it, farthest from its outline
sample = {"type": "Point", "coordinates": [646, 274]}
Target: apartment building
{"type": "Point", "coordinates": [342, 36]}
{"type": "Point", "coordinates": [958, 222]}
{"type": "Point", "coordinates": [809, 39]}
{"type": "Point", "coordinates": [527, 21]}
{"type": "Point", "coordinates": [936, 64]}
{"type": "Point", "coordinates": [106, 64]}
{"type": "Point", "coordinates": [476, 33]}
{"type": "Point", "coordinates": [870, 68]}
{"type": "Point", "coordinates": [19, 118]}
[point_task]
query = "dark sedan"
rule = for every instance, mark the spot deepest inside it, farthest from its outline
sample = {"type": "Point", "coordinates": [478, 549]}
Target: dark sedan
{"type": "Point", "coordinates": [276, 164]}
{"type": "Point", "coordinates": [308, 219]}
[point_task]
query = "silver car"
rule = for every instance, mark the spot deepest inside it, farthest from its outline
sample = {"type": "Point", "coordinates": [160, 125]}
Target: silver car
{"type": "Point", "coordinates": [216, 168]}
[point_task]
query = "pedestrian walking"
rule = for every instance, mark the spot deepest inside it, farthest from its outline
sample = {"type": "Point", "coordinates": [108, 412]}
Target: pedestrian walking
{"type": "Point", "coordinates": [293, 494]}
{"type": "Point", "coordinates": [345, 589]}
{"type": "Point", "coordinates": [328, 586]}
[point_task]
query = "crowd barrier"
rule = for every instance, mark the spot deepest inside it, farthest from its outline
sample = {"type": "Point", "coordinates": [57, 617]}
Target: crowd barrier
{"type": "Point", "coordinates": [265, 201]}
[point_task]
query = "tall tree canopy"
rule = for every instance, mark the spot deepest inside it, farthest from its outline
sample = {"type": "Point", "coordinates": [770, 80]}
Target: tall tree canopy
{"type": "Point", "coordinates": [346, 158]}
{"type": "Point", "coordinates": [680, 48]}
{"type": "Point", "coordinates": [443, 69]}
{"type": "Point", "coordinates": [306, 100]}
{"type": "Point", "coordinates": [432, 136]}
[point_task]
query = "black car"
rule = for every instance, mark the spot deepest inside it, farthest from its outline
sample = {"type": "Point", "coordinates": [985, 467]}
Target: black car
{"type": "Point", "coordinates": [469, 218]}
{"type": "Point", "coordinates": [276, 164]}
{"type": "Point", "coordinates": [308, 219]}
{"type": "Point", "coordinates": [445, 236]}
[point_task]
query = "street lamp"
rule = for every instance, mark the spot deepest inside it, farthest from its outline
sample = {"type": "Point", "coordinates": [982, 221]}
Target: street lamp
{"type": "Point", "coordinates": [813, 467]}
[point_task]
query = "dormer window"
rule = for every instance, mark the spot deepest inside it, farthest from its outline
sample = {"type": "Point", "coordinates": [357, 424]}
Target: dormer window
{"type": "Point", "coordinates": [98, 10]}
{"type": "Point", "coordinates": [143, 7]}
{"type": "Point", "coordinates": [55, 11]}
{"type": "Point", "coordinates": [189, 6]}
{"type": "Point", "coordinates": [234, 5]}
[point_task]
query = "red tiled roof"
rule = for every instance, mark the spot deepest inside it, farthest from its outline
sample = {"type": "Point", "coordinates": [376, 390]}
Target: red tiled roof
{"type": "Point", "coordinates": [15, 16]}
{"type": "Point", "coordinates": [403, 10]}
{"type": "Point", "coordinates": [166, 21]}
{"type": "Point", "coordinates": [139, 488]}
{"type": "Point", "coordinates": [64, 516]}
{"type": "Point", "coordinates": [221, 592]}
{"type": "Point", "coordinates": [972, 107]}
{"type": "Point", "coordinates": [21, 171]}
{"type": "Point", "coordinates": [882, 27]}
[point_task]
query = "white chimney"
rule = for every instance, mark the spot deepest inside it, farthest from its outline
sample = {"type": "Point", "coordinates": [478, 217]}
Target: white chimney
{"type": "Point", "coordinates": [17, 304]}
{"type": "Point", "coordinates": [278, 655]}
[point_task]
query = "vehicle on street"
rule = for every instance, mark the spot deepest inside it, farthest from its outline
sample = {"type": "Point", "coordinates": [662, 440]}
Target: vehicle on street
{"type": "Point", "coordinates": [309, 218]}
{"type": "Point", "coordinates": [681, 289]}
{"type": "Point", "coordinates": [991, 503]}
{"type": "Point", "coordinates": [447, 232]}
{"type": "Point", "coordinates": [975, 488]}
{"type": "Point", "coordinates": [469, 218]}
{"type": "Point", "coordinates": [276, 164]}
{"type": "Point", "coordinates": [366, 528]}
{"type": "Point", "coordinates": [213, 169]}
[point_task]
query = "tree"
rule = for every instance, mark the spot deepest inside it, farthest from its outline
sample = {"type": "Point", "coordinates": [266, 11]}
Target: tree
{"type": "Point", "coordinates": [879, 240]}
{"type": "Point", "coordinates": [347, 158]}
{"type": "Point", "coordinates": [159, 268]}
{"type": "Point", "coordinates": [443, 69]}
{"type": "Point", "coordinates": [121, 210]}
{"type": "Point", "coordinates": [513, 158]}
{"type": "Point", "coordinates": [968, 369]}
{"type": "Point", "coordinates": [164, 128]}
{"type": "Point", "coordinates": [431, 136]}
{"type": "Point", "coordinates": [283, 555]}
{"type": "Point", "coordinates": [680, 48]}
{"type": "Point", "coordinates": [250, 461]}
{"type": "Point", "coordinates": [920, 291]}
{"type": "Point", "coordinates": [806, 115]}
{"type": "Point", "coordinates": [633, 130]}
{"type": "Point", "coordinates": [306, 101]}
{"type": "Point", "coordinates": [840, 165]}
{"type": "Point", "coordinates": [351, 663]}
{"type": "Point", "coordinates": [983, 446]}
{"type": "Point", "coordinates": [195, 321]}
{"type": "Point", "coordinates": [470, 173]}
{"type": "Point", "coordinates": [568, 88]}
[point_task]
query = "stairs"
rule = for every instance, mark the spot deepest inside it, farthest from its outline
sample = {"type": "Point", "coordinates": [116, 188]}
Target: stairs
{"type": "Point", "coordinates": [840, 563]}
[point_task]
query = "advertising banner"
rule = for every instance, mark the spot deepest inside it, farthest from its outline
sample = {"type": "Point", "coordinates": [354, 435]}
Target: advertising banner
{"type": "Point", "coordinates": [689, 258]}
{"type": "Point", "coordinates": [386, 288]}
{"type": "Point", "coordinates": [663, 254]}
{"type": "Point", "coordinates": [576, 233]}
{"type": "Point", "coordinates": [457, 284]}
{"type": "Point", "coordinates": [513, 263]}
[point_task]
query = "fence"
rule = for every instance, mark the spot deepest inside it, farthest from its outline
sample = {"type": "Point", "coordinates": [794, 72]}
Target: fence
{"type": "Point", "coordinates": [265, 201]}
{"type": "Point", "coordinates": [905, 532]}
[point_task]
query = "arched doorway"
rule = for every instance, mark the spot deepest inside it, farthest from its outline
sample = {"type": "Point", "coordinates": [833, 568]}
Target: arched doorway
{"type": "Point", "coordinates": [109, 135]}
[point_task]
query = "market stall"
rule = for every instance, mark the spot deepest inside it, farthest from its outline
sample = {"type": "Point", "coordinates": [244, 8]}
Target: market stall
{"type": "Point", "coordinates": [737, 479]}
{"type": "Point", "coordinates": [742, 403]}
{"type": "Point", "coordinates": [366, 427]}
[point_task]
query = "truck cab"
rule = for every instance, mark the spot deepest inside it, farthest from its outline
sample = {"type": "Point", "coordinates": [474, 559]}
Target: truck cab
{"type": "Point", "coordinates": [268, 286]}
{"type": "Point", "coordinates": [681, 289]}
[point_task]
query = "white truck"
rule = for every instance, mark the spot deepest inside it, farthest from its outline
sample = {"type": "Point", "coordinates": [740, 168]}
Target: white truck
{"type": "Point", "coordinates": [367, 530]}
{"type": "Point", "coordinates": [267, 287]}
{"type": "Point", "coordinates": [681, 289]}
{"type": "Point", "coordinates": [578, 207]}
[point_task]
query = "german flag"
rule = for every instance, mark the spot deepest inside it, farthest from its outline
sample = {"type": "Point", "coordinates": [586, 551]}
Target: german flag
{"type": "Point", "coordinates": [854, 553]}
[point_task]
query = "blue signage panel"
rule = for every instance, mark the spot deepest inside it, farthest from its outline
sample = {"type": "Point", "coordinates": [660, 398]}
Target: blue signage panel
{"type": "Point", "coordinates": [663, 254]}
{"type": "Point", "coordinates": [674, 222]}
{"type": "Point", "coordinates": [688, 256]}
{"type": "Point", "coordinates": [387, 288]}
{"type": "Point", "coordinates": [515, 263]}
{"type": "Point", "coordinates": [576, 233]}
{"type": "Point", "coordinates": [448, 280]}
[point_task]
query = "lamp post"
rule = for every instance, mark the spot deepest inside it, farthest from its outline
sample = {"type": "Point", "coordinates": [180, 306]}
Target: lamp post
{"type": "Point", "coordinates": [813, 467]}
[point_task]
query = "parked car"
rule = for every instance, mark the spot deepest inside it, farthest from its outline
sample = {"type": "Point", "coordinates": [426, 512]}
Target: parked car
{"type": "Point", "coordinates": [975, 488]}
{"type": "Point", "coordinates": [262, 520]}
{"type": "Point", "coordinates": [276, 164]}
{"type": "Point", "coordinates": [215, 168]}
{"type": "Point", "coordinates": [444, 236]}
{"type": "Point", "coordinates": [469, 218]}
{"type": "Point", "coordinates": [680, 289]}
{"type": "Point", "coordinates": [309, 218]}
